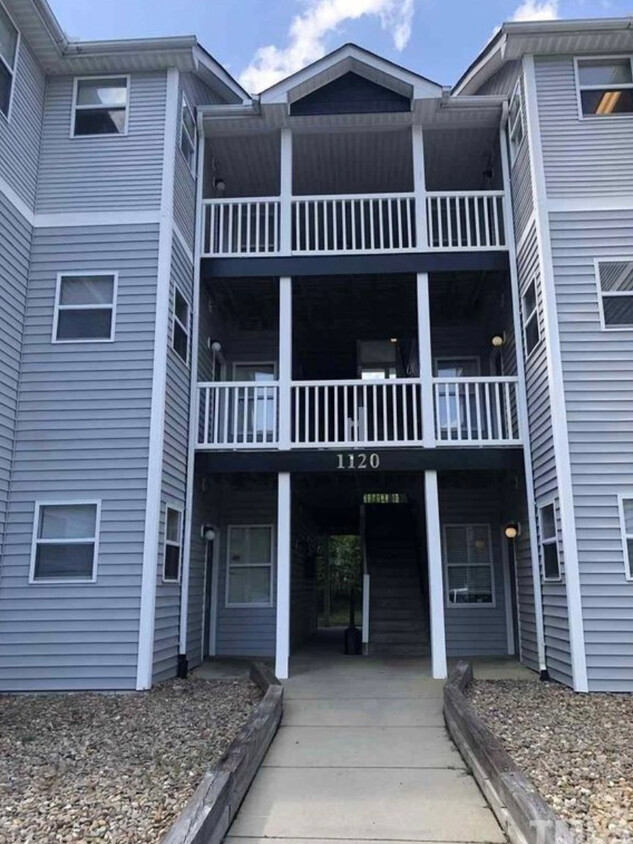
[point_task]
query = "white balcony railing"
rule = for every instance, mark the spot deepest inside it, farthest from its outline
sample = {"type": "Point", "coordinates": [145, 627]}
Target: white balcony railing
{"type": "Point", "coordinates": [358, 414]}
{"type": "Point", "coordinates": [464, 221]}
{"type": "Point", "coordinates": [352, 224]}
{"type": "Point", "coordinates": [476, 411]}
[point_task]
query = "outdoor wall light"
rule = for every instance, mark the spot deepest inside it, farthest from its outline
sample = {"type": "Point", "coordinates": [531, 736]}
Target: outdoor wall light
{"type": "Point", "coordinates": [215, 345]}
{"type": "Point", "coordinates": [512, 530]}
{"type": "Point", "coordinates": [219, 184]}
{"type": "Point", "coordinates": [207, 532]}
{"type": "Point", "coordinates": [393, 339]}
{"type": "Point", "coordinates": [498, 340]}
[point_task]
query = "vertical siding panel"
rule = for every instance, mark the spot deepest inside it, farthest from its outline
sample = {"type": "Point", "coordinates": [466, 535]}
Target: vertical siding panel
{"type": "Point", "coordinates": [82, 432]}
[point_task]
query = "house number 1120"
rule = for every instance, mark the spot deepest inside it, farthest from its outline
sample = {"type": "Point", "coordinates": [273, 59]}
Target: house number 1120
{"type": "Point", "coordinates": [358, 461]}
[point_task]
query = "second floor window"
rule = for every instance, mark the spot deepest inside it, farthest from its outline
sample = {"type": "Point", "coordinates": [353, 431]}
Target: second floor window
{"type": "Point", "coordinates": [515, 122]}
{"type": "Point", "coordinates": [530, 318]}
{"type": "Point", "coordinates": [605, 86]}
{"type": "Point", "coordinates": [615, 291]}
{"type": "Point", "coordinates": [84, 308]}
{"type": "Point", "coordinates": [188, 135]}
{"type": "Point", "coordinates": [8, 56]}
{"type": "Point", "coordinates": [100, 106]}
{"type": "Point", "coordinates": [180, 329]}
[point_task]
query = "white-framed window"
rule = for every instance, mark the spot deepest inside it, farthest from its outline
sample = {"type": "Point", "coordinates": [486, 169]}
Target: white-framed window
{"type": "Point", "coordinates": [604, 86]}
{"type": "Point", "coordinates": [468, 564]}
{"type": "Point", "coordinates": [614, 277]}
{"type": "Point", "coordinates": [625, 503]}
{"type": "Point", "coordinates": [531, 330]}
{"type": "Point", "coordinates": [172, 558]}
{"type": "Point", "coordinates": [516, 131]}
{"type": "Point", "coordinates": [65, 544]}
{"type": "Point", "coordinates": [550, 560]}
{"type": "Point", "coordinates": [9, 48]}
{"type": "Point", "coordinates": [85, 307]}
{"type": "Point", "coordinates": [188, 135]}
{"type": "Point", "coordinates": [180, 326]}
{"type": "Point", "coordinates": [100, 106]}
{"type": "Point", "coordinates": [249, 572]}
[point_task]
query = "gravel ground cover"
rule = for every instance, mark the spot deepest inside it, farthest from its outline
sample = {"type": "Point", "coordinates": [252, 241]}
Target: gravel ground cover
{"type": "Point", "coordinates": [111, 768]}
{"type": "Point", "coordinates": [576, 749]}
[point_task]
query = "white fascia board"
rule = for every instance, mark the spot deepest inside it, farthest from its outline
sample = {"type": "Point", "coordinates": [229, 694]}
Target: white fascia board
{"type": "Point", "coordinates": [337, 63]}
{"type": "Point", "coordinates": [224, 82]}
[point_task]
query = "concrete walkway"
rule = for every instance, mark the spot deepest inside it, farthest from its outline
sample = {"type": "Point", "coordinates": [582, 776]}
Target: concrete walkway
{"type": "Point", "coordinates": [363, 755]}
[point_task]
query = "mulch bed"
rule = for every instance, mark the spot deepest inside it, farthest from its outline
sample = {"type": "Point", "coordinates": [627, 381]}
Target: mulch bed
{"type": "Point", "coordinates": [111, 768]}
{"type": "Point", "coordinates": [576, 748]}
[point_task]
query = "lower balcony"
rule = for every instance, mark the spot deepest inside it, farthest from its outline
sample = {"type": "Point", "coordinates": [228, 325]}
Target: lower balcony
{"type": "Point", "coordinates": [241, 415]}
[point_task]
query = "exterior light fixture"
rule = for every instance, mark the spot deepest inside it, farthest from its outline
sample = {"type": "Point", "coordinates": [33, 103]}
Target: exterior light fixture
{"type": "Point", "coordinates": [215, 346]}
{"type": "Point", "coordinates": [207, 532]}
{"type": "Point", "coordinates": [219, 184]}
{"type": "Point", "coordinates": [512, 530]}
{"type": "Point", "coordinates": [393, 339]}
{"type": "Point", "coordinates": [498, 340]}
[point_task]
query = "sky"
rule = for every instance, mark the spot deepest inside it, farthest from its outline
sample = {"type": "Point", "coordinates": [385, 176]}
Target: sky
{"type": "Point", "coordinates": [261, 41]}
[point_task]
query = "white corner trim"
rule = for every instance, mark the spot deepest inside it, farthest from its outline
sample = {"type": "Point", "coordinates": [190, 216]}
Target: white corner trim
{"type": "Point", "coordinates": [157, 416]}
{"type": "Point", "coordinates": [193, 416]}
{"type": "Point", "coordinates": [182, 240]}
{"type": "Point", "coordinates": [556, 386]}
{"type": "Point", "coordinates": [591, 203]}
{"type": "Point", "coordinates": [522, 406]}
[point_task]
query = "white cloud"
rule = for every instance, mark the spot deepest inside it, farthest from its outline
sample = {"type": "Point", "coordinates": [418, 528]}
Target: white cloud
{"type": "Point", "coordinates": [308, 31]}
{"type": "Point", "coordinates": [537, 10]}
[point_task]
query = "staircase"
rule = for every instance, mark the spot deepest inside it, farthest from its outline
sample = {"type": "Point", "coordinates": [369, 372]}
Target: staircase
{"type": "Point", "coordinates": [398, 609]}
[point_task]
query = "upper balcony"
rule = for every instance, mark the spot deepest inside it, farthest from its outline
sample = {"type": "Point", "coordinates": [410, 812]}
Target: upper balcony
{"type": "Point", "coordinates": [385, 189]}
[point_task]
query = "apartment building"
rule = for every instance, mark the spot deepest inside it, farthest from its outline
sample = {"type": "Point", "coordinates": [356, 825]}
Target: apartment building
{"type": "Point", "coordinates": [359, 302]}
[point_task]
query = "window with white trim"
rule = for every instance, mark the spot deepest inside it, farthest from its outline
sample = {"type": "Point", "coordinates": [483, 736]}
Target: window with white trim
{"type": "Point", "coordinates": [9, 38]}
{"type": "Point", "coordinates": [615, 292]}
{"type": "Point", "coordinates": [188, 135]}
{"type": "Point", "coordinates": [180, 327]}
{"type": "Point", "coordinates": [100, 106]}
{"type": "Point", "coordinates": [531, 330]}
{"type": "Point", "coordinates": [84, 307]}
{"type": "Point", "coordinates": [173, 545]}
{"type": "Point", "coordinates": [249, 579]}
{"type": "Point", "coordinates": [549, 542]}
{"type": "Point", "coordinates": [468, 564]}
{"type": "Point", "coordinates": [516, 131]}
{"type": "Point", "coordinates": [65, 539]}
{"type": "Point", "coordinates": [605, 86]}
{"type": "Point", "coordinates": [626, 524]}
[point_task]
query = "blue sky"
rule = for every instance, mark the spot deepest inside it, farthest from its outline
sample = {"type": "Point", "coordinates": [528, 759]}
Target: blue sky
{"type": "Point", "coordinates": [260, 40]}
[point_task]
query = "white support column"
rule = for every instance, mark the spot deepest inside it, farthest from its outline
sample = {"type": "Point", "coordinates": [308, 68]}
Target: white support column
{"type": "Point", "coordinates": [419, 187]}
{"type": "Point", "coordinates": [282, 649]}
{"type": "Point", "coordinates": [522, 409]}
{"type": "Point", "coordinates": [285, 193]}
{"type": "Point", "coordinates": [285, 362]}
{"type": "Point", "coordinates": [425, 355]}
{"type": "Point", "coordinates": [436, 575]}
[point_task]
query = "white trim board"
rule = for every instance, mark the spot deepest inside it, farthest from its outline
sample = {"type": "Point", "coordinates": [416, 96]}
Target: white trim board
{"type": "Point", "coordinates": [591, 203]}
{"type": "Point", "coordinates": [157, 415]}
{"type": "Point", "coordinates": [556, 385]}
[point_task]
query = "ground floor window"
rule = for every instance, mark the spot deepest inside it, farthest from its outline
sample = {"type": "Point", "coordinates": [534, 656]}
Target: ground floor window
{"type": "Point", "coordinates": [250, 566]}
{"type": "Point", "coordinates": [468, 564]}
{"type": "Point", "coordinates": [65, 538]}
{"type": "Point", "coordinates": [549, 542]}
{"type": "Point", "coordinates": [626, 522]}
{"type": "Point", "coordinates": [173, 545]}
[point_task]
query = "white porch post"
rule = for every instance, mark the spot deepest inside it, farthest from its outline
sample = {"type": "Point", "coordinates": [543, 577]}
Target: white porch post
{"type": "Point", "coordinates": [436, 579]}
{"type": "Point", "coordinates": [282, 649]}
{"type": "Point", "coordinates": [285, 361]}
{"type": "Point", "coordinates": [425, 355]}
{"type": "Point", "coordinates": [419, 187]}
{"type": "Point", "coordinates": [285, 193]}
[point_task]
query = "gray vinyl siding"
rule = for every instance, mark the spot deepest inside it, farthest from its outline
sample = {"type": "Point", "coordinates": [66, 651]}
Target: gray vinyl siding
{"type": "Point", "coordinates": [15, 247]}
{"type": "Point", "coordinates": [203, 512]}
{"type": "Point", "coordinates": [20, 137]}
{"type": "Point", "coordinates": [174, 476]}
{"type": "Point", "coordinates": [108, 172]}
{"type": "Point", "coordinates": [501, 82]}
{"type": "Point", "coordinates": [521, 179]}
{"type": "Point", "coordinates": [82, 433]}
{"type": "Point", "coordinates": [246, 631]}
{"type": "Point", "coordinates": [581, 157]}
{"type": "Point", "coordinates": [597, 371]}
{"type": "Point", "coordinates": [472, 630]}
{"type": "Point", "coordinates": [524, 588]}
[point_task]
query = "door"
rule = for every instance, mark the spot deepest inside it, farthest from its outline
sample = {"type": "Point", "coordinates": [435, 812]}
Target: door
{"type": "Point", "coordinates": [453, 401]}
{"type": "Point", "coordinates": [255, 407]}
